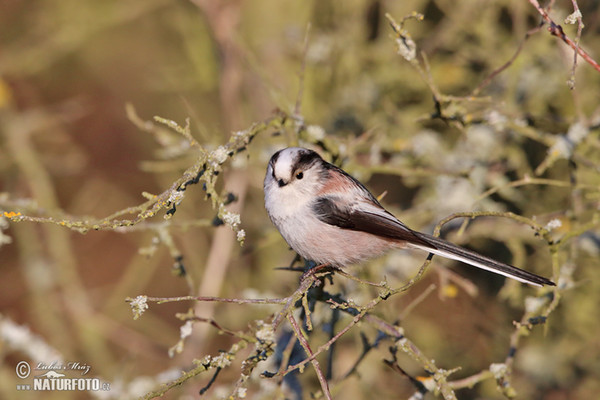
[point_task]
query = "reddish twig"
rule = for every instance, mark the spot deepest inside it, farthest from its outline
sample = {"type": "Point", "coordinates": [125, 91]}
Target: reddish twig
{"type": "Point", "coordinates": [556, 30]}
{"type": "Point", "coordinates": [309, 352]}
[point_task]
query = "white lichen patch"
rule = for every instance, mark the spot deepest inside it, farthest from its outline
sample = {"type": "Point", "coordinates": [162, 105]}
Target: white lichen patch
{"type": "Point", "coordinates": [265, 332]}
{"type": "Point", "coordinates": [139, 305]}
{"type": "Point", "coordinates": [221, 361]}
{"type": "Point", "coordinates": [241, 235]}
{"type": "Point", "coordinates": [553, 224]}
{"type": "Point", "coordinates": [175, 197]}
{"type": "Point", "coordinates": [185, 330]}
{"type": "Point", "coordinates": [218, 156]}
{"type": "Point", "coordinates": [499, 370]}
{"type": "Point", "coordinates": [407, 48]}
{"type": "Point", "coordinates": [573, 18]}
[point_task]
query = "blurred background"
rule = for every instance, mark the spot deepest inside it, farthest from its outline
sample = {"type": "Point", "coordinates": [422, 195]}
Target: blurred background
{"type": "Point", "coordinates": [434, 136]}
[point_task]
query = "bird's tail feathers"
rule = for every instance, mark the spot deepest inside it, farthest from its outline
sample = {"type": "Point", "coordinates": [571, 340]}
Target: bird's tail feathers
{"type": "Point", "coordinates": [446, 249]}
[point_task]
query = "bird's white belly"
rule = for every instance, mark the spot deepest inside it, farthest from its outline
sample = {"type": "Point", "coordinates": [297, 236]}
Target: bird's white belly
{"type": "Point", "coordinates": [323, 243]}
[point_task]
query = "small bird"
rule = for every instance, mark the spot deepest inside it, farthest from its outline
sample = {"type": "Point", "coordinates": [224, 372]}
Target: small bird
{"type": "Point", "coordinates": [329, 217]}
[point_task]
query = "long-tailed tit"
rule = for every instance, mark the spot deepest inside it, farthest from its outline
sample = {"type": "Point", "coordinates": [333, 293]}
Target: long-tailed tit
{"type": "Point", "coordinates": [329, 217]}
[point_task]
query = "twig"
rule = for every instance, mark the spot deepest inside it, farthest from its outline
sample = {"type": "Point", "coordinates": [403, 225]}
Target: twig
{"type": "Point", "coordinates": [211, 381]}
{"type": "Point", "coordinates": [214, 324]}
{"type": "Point", "coordinates": [577, 15]}
{"type": "Point", "coordinates": [306, 308]}
{"type": "Point", "coordinates": [305, 283]}
{"type": "Point", "coordinates": [524, 220]}
{"type": "Point", "coordinates": [286, 354]}
{"type": "Point", "coordinates": [326, 345]}
{"type": "Point", "coordinates": [362, 313]}
{"type": "Point", "coordinates": [470, 381]}
{"type": "Point", "coordinates": [206, 168]}
{"type": "Point", "coordinates": [204, 365]}
{"type": "Point", "coordinates": [439, 375]}
{"type": "Point", "coordinates": [556, 30]}
{"type": "Point", "coordinates": [523, 182]}
{"type": "Point", "coordinates": [298, 106]}
{"type": "Point", "coordinates": [161, 300]}
{"type": "Point", "coordinates": [393, 364]}
{"type": "Point", "coordinates": [367, 347]}
{"type": "Point", "coordinates": [507, 64]}
{"type": "Point", "coordinates": [420, 298]}
{"type": "Point", "coordinates": [307, 349]}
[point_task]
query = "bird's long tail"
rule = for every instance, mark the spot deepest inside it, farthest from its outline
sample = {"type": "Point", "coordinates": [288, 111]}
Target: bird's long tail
{"type": "Point", "coordinates": [454, 252]}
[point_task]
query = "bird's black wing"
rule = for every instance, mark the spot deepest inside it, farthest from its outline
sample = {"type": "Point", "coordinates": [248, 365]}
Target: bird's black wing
{"type": "Point", "coordinates": [371, 219]}
{"type": "Point", "coordinates": [376, 220]}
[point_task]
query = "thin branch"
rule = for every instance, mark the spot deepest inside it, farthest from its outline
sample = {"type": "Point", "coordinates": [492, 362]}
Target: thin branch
{"type": "Point", "coordinates": [367, 347]}
{"type": "Point", "coordinates": [528, 181]}
{"type": "Point", "coordinates": [298, 106]}
{"type": "Point", "coordinates": [470, 381]}
{"type": "Point", "coordinates": [204, 365]}
{"type": "Point", "coordinates": [308, 350]}
{"type": "Point", "coordinates": [439, 375]}
{"type": "Point", "coordinates": [286, 354]}
{"type": "Point", "coordinates": [326, 345]}
{"type": "Point", "coordinates": [507, 64]}
{"type": "Point", "coordinates": [577, 16]}
{"type": "Point", "coordinates": [418, 300]}
{"type": "Point", "coordinates": [393, 364]}
{"type": "Point", "coordinates": [207, 167]}
{"type": "Point", "coordinates": [161, 300]}
{"type": "Point", "coordinates": [556, 30]}
{"type": "Point", "coordinates": [524, 220]}
{"type": "Point", "coordinates": [362, 313]}
{"type": "Point", "coordinates": [306, 283]}
{"type": "Point", "coordinates": [211, 381]}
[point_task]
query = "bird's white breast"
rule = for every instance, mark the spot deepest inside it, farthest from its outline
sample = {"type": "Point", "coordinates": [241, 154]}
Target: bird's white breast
{"type": "Point", "coordinates": [314, 239]}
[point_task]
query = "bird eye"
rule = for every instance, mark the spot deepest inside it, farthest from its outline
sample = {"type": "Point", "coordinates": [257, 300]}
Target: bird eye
{"type": "Point", "coordinates": [299, 175]}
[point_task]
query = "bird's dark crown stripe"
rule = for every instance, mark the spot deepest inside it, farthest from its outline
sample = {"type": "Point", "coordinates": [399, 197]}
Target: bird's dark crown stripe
{"type": "Point", "coordinates": [272, 162]}
{"type": "Point", "coordinates": [274, 158]}
{"type": "Point", "coordinates": [305, 159]}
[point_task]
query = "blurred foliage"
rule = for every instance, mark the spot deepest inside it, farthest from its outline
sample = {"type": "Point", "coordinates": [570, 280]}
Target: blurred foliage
{"type": "Point", "coordinates": [422, 114]}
